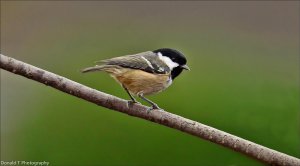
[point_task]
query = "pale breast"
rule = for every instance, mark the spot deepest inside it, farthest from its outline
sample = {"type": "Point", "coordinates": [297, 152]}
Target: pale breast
{"type": "Point", "coordinates": [141, 82]}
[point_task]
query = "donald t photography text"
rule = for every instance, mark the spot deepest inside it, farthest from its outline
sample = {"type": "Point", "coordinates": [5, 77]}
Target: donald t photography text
{"type": "Point", "coordinates": [33, 163]}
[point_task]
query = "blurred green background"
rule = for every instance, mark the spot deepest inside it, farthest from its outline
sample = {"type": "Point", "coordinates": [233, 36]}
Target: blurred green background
{"type": "Point", "coordinates": [244, 79]}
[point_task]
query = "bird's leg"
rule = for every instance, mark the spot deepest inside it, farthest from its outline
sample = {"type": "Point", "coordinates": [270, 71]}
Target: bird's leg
{"type": "Point", "coordinates": [154, 106]}
{"type": "Point", "coordinates": [133, 100]}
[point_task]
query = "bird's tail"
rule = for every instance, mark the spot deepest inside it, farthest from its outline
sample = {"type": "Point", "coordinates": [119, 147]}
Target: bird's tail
{"type": "Point", "coordinates": [94, 68]}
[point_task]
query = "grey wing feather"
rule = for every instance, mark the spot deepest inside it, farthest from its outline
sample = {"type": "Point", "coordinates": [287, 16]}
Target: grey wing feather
{"type": "Point", "coordinates": [147, 61]}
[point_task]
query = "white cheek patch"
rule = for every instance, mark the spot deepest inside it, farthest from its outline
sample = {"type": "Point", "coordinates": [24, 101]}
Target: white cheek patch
{"type": "Point", "coordinates": [167, 61]}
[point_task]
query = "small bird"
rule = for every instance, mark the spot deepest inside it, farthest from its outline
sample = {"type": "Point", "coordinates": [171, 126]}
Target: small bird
{"type": "Point", "coordinates": [144, 73]}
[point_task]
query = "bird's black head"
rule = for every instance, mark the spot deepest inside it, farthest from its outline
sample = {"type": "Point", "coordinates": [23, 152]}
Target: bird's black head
{"type": "Point", "coordinates": [178, 59]}
{"type": "Point", "coordinates": [174, 55]}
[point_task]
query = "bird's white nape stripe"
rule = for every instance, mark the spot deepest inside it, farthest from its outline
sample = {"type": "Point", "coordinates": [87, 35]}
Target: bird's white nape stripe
{"type": "Point", "coordinates": [167, 61]}
{"type": "Point", "coordinates": [148, 62]}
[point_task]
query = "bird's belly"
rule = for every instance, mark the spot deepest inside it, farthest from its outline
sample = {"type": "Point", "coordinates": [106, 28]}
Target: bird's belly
{"type": "Point", "coordinates": [140, 82]}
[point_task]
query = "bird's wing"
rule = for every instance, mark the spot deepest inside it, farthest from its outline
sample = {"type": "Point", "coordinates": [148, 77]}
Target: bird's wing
{"type": "Point", "coordinates": [147, 61]}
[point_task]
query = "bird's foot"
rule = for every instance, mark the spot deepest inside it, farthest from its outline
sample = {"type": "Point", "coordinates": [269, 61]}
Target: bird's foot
{"type": "Point", "coordinates": [132, 102]}
{"type": "Point", "coordinates": [153, 107]}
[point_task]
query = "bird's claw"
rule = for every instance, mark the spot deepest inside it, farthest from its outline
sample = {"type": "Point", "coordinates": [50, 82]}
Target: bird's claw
{"type": "Point", "coordinates": [131, 103]}
{"type": "Point", "coordinates": [153, 107]}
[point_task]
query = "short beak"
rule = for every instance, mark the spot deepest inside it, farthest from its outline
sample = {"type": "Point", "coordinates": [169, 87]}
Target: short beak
{"type": "Point", "coordinates": [185, 67]}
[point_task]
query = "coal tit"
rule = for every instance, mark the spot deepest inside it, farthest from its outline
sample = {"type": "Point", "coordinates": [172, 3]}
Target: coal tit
{"type": "Point", "coordinates": [144, 73]}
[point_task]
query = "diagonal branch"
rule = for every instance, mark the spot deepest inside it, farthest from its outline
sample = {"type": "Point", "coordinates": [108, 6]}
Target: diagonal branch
{"type": "Point", "coordinates": [197, 129]}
